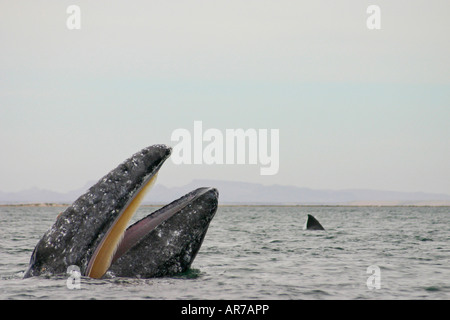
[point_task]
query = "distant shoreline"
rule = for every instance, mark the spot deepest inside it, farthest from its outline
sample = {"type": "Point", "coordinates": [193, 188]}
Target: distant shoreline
{"type": "Point", "coordinates": [358, 204]}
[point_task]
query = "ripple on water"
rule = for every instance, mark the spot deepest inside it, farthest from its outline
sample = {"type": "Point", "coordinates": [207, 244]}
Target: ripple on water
{"type": "Point", "coordinates": [263, 253]}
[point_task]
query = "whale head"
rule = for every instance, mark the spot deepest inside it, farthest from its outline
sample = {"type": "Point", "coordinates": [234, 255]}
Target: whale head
{"type": "Point", "coordinates": [89, 233]}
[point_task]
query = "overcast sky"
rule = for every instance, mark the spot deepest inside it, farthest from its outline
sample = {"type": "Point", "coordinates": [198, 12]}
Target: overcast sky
{"type": "Point", "coordinates": [356, 108]}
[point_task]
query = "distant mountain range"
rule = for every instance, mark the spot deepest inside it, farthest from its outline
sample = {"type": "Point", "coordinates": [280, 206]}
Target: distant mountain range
{"type": "Point", "coordinates": [231, 192]}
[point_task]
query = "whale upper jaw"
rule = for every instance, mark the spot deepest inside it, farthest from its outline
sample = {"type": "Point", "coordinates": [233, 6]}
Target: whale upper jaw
{"type": "Point", "coordinates": [89, 232]}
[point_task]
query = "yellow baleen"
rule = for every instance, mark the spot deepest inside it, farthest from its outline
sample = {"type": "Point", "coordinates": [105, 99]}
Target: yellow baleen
{"type": "Point", "coordinates": [105, 251]}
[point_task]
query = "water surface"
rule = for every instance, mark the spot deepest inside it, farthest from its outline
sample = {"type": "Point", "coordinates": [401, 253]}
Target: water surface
{"type": "Point", "coordinates": [264, 253]}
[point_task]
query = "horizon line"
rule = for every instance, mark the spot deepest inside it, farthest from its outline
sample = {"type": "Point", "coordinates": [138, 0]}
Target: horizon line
{"type": "Point", "coordinates": [424, 203]}
{"type": "Point", "coordinates": [238, 181]}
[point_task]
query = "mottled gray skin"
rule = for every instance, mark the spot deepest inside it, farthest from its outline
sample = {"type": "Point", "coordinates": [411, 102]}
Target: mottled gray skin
{"type": "Point", "coordinates": [313, 224]}
{"type": "Point", "coordinates": [80, 228]}
{"type": "Point", "coordinates": [171, 247]}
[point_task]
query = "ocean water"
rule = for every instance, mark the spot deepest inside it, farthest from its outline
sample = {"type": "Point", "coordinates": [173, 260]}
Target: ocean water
{"type": "Point", "coordinates": [264, 253]}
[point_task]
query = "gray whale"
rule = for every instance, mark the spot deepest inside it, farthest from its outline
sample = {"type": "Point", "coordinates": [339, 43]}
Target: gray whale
{"type": "Point", "coordinates": [92, 234]}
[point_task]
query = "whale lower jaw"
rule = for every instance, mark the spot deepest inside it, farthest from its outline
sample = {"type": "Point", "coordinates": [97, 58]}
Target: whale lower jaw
{"type": "Point", "coordinates": [167, 241]}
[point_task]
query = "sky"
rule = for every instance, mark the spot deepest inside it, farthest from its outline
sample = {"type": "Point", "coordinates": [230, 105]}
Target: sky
{"type": "Point", "coordinates": [355, 108]}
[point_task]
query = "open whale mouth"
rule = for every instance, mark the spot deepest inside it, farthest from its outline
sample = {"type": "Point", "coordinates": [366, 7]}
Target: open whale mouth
{"type": "Point", "coordinates": [92, 234]}
{"type": "Point", "coordinates": [118, 241]}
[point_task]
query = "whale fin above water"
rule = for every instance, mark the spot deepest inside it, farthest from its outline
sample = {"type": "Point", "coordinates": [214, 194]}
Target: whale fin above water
{"type": "Point", "coordinates": [313, 224]}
